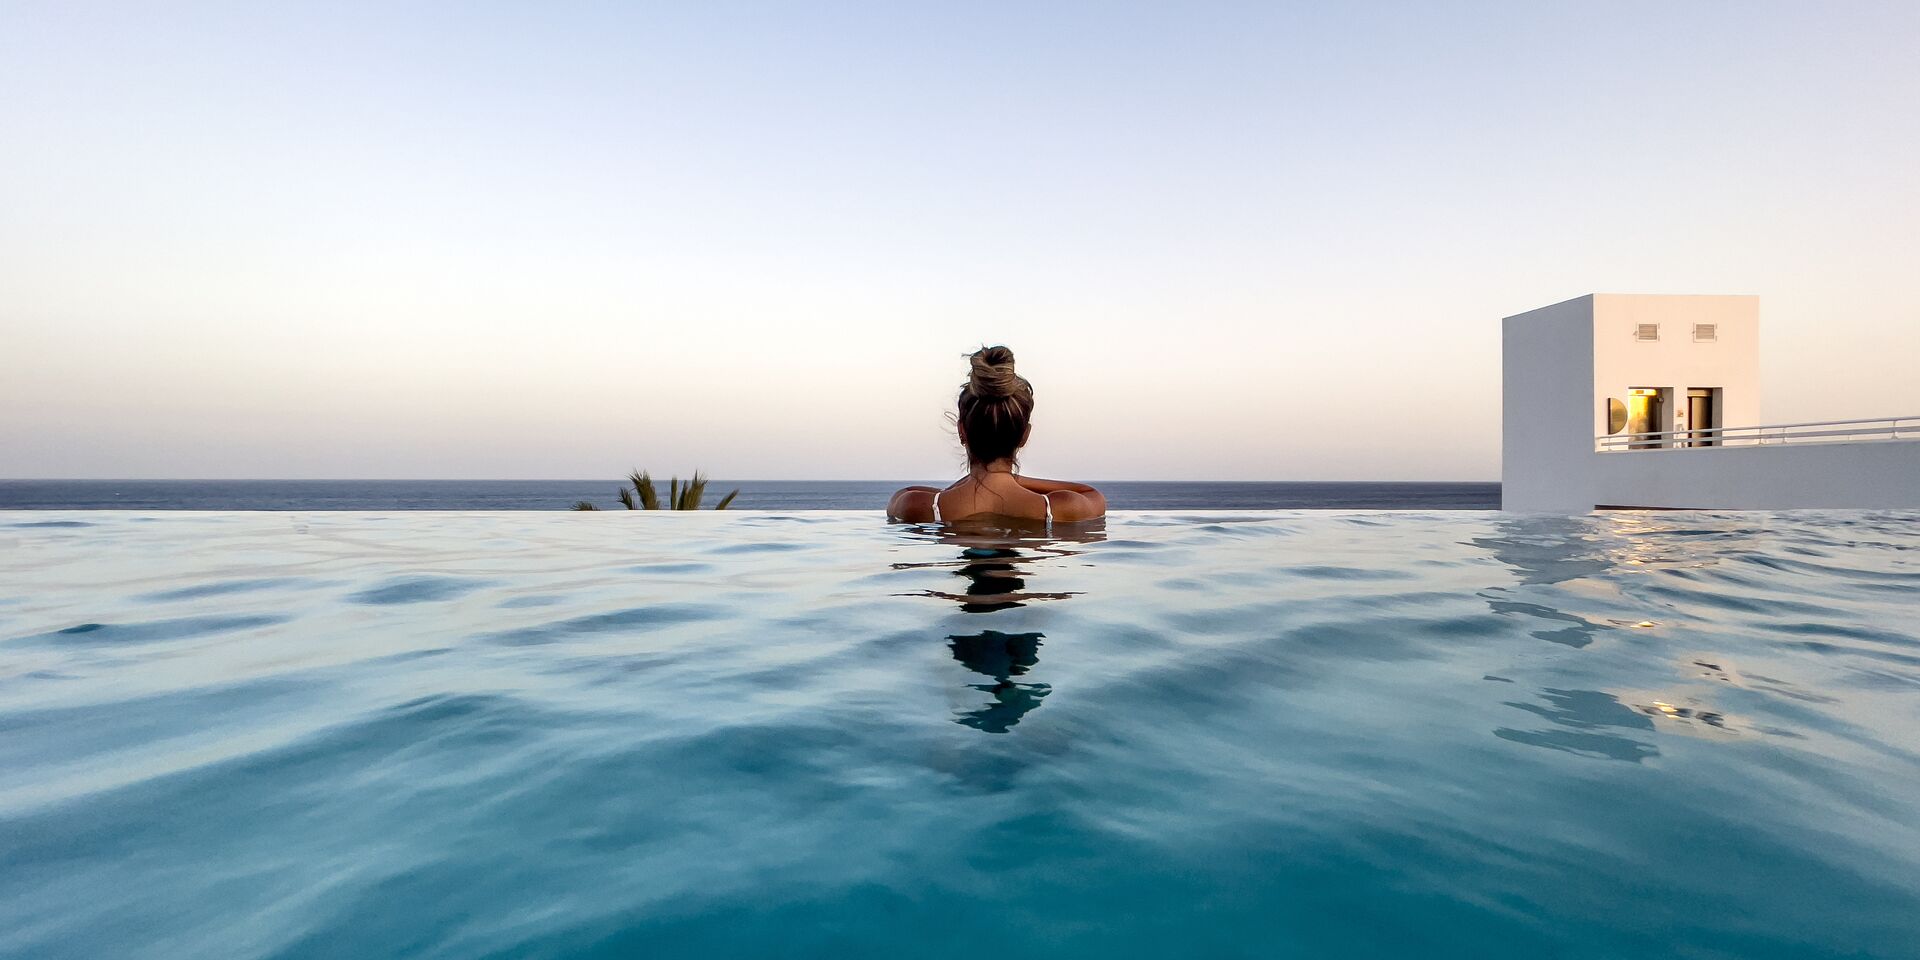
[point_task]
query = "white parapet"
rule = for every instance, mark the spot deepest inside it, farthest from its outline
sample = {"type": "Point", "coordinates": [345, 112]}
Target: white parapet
{"type": "Point", "coordinates": [1864, 474]}
{"type": "Point", "coordinates": [1633, 400]}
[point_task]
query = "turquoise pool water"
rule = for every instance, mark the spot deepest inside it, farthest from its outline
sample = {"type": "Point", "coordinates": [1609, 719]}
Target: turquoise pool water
{"type": "Point", "coordinates": [1249, 735]}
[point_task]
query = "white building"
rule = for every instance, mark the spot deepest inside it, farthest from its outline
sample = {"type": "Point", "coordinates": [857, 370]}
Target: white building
{"type": "Point", "coordinates": [1628, 400]}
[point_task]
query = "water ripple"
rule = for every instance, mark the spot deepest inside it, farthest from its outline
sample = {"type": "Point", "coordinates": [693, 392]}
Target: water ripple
{"type": "Point", "coordinates": [418, 589]}
{"type": "Point", "coordinates": [151, 631]}
{"type": "Point", "coordinates": [630, 620]}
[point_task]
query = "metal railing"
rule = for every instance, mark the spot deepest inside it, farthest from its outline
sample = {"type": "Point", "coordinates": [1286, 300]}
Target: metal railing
{"type": "Point", "coordinates": [1819, 431]}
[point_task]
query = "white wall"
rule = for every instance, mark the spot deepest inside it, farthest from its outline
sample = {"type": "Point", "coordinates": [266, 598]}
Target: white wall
{"type": "Point", "coordinates": [1876, 474]}
{"type": "Point", "coordinates": [1546, 432]}
{"type": "Point", "coordinates": [1675, 361]}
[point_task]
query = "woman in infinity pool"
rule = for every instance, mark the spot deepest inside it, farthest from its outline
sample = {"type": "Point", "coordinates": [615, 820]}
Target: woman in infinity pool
{"type": "Point", "coordinates": [994, 418]}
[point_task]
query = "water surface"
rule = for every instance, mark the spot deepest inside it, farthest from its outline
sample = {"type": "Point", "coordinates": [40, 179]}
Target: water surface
{"type": "Point", "coordinates": [813, 735]}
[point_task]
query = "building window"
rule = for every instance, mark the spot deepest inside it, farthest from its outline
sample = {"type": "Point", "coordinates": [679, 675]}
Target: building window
{"type": "Point", "coordinates": [1646, 331]}
{"type": "Point", "coordinates": [1705, 332]}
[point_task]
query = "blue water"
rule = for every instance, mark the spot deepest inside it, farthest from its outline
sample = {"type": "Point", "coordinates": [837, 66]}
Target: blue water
{"type": "Point", "coordinates": [754, 495]}
{"type": "Point", "coordinates": [814, 735]}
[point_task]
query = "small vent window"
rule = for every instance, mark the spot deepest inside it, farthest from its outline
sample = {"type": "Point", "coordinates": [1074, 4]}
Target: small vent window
{"type": "Point", "coordinates": [1647, 331]}
{"type": "Point", "coordinates": [1705, 332]}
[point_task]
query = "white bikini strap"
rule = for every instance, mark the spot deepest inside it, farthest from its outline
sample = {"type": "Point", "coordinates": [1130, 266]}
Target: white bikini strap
{"type": "Point", "coordinates": [936, 499]}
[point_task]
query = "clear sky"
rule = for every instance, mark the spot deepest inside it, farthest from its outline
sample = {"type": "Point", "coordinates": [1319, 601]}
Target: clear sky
{"type": "Point", "coordinates": [1233, 241]}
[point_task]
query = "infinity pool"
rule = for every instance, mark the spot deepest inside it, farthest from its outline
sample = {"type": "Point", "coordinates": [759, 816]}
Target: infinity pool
{"type": "Point", "coordinates": [1193, 735]}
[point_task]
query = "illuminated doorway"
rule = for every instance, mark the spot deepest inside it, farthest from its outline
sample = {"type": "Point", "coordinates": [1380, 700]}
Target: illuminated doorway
{"type": "Point", "coordinates": [1646, 413]}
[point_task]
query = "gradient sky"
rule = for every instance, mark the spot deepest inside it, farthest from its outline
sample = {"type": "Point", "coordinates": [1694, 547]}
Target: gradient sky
{"type": "Point", "coordinates": [1233, 241]}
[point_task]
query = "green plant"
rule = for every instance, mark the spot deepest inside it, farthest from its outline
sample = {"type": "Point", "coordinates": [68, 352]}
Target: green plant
{"type": "Point", "coordinates": [641, 494]}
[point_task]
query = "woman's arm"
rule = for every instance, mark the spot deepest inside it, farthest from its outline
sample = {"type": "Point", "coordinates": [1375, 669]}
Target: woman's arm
{"type": "Point", "coordinates": [1038, 485]}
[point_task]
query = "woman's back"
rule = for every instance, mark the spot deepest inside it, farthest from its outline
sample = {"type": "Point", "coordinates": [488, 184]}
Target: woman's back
{"type": "Point", "coordinates": [998, 495]}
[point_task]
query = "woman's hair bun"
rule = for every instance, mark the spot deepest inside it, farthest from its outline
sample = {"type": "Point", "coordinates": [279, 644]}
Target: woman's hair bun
{"type": "Point", "coordinates": [993, 374]}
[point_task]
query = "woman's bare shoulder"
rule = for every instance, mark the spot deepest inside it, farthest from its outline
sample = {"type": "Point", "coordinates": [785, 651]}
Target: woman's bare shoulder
{"type": "Point", "coordinates": [912, 504]}
{"type": "Point", "coordinates": [1087, 504]}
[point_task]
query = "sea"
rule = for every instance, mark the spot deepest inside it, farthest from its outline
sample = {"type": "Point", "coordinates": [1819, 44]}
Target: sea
{"type": "Point", "coordinates": [386, 495]}
{"type": "Point", "coordinates": [1186, 733]}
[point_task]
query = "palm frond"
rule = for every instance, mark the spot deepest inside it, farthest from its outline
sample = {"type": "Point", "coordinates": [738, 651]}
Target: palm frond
{"type": "Point", "coordinates": [722, 505]}
{"type": "Point", "coordinates": [626, 498]}
{"type": "Point", "coordinates": [643, 485]}
{"type": "Point", "coordinates": [693, 492]}
{"type": "Point", "coordinates": [673, 494]}
{"type": "Point", "coordinates": [587, 505]}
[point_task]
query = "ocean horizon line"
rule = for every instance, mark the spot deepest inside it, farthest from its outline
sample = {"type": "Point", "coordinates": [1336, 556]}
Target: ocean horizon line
{"type": "Point", "coordinates": [458, 494]}
{"type": "Point", "coordinates": [714, 479]}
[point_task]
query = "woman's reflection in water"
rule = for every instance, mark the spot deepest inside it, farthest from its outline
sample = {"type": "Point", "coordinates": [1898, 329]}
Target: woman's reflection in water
{"type": "Point", "coordinates": [1001, 656]}
{"type": "Point", "coordinates": [1000, 558]}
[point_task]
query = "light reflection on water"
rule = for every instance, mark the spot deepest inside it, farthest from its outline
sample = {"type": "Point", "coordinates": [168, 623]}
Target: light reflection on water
{"type": "Point", "coordinates": [1171, 734]}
